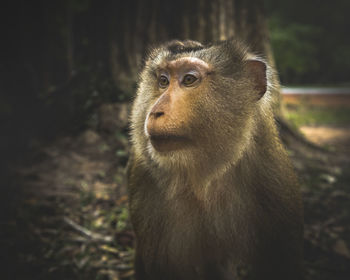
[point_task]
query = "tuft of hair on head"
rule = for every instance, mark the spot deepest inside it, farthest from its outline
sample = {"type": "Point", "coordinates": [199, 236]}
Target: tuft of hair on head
{"type": "Point", "coordinates": [178, 47]}
{"type": "Point", "coordinates": [169, 50]}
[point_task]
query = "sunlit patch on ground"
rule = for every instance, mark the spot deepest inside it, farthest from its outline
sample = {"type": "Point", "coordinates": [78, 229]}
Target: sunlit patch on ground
{"type": "Point", "coordinates": [337, 138]}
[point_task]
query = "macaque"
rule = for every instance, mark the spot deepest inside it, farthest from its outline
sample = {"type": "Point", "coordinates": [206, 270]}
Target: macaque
{"type": "Point", "coordinates": [212, 192]}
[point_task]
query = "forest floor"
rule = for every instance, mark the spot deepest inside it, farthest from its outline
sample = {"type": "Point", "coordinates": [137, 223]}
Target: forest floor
{"type": "Point", "coordinates": [69, 217]}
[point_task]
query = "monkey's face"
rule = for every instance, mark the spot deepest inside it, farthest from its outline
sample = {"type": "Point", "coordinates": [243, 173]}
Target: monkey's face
{"type": "Point", "coordinates": [171, 121]}
{"type": "Point", "coordinates": [189, 111]}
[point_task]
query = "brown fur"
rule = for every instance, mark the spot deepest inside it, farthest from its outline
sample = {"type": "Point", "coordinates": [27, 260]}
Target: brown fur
{"type": "Point", "coordinates": [220, 199]}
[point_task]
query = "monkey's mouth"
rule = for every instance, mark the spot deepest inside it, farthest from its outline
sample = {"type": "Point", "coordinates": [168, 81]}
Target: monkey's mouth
{"type": "Point", "coordinates": [168, 142]}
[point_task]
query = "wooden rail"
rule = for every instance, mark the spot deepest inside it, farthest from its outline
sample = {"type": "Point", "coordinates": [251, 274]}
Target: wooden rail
{"type": "Point", "coordinates": [332, 97]}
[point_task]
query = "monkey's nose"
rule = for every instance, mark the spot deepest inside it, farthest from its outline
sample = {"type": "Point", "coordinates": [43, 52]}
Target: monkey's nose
{"type": "Point", "coordinates": [156, 114]}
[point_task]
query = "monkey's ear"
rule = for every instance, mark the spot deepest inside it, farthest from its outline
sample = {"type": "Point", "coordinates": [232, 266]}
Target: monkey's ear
{"type": "Point", "coordinates": [257, 70]}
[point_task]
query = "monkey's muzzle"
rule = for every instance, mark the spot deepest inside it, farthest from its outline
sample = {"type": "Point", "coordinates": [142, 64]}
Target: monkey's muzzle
{"type": "Point", "coordinates": [168, 142]}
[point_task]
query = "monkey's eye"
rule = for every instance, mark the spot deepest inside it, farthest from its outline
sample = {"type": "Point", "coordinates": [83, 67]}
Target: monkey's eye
{"type": "Point", "coordinates": [189, 79]}
{"type": "Point", "coordinates": [163, 81]}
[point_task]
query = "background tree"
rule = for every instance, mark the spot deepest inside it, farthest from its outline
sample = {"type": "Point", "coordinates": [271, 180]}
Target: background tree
{"type": "Point", "coordinates": [71, 56]}
{"type": "Point", "coordinates": [143, 23]}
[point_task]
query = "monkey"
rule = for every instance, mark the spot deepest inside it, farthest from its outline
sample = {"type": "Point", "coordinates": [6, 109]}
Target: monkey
{"type": "Point", "coordinates": [212, 192]}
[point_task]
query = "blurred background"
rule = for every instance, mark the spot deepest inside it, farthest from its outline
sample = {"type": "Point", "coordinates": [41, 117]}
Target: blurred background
{"type": "Point", "coordinates": [69, 72]}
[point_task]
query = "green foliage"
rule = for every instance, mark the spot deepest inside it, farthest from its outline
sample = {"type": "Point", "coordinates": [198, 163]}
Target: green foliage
{"type": "Point", "coordinates": [86, 195]}
{"type": "Point", "coordinates": [122, 220]}
{"type": "Point", "coordinates": [307, 115]}
{"type": "Point", "coordinates": [79, 5]}
{"type": "Point", "coordinates": [310, 40]}
{"type": "Point", "coordinates": [295, 52]}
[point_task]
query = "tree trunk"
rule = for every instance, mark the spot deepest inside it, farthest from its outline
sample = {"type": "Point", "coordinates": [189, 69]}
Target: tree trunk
{"type": "Point", "coordinates": [139, 24]}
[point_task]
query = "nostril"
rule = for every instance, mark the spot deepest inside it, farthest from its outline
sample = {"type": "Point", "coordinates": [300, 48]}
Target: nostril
{"type": "Point", "coordinates": [158, 114]}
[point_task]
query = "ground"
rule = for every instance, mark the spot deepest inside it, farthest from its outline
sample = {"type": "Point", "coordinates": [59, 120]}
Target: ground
{"type": "Point", "coordinates": [69, 217]}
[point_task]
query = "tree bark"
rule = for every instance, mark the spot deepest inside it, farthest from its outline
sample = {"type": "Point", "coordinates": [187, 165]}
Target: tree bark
{"type": "Point", "coordinates": [139, 24]}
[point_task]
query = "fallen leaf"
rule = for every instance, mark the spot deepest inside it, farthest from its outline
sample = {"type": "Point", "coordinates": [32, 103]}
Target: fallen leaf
{"type": "Point", "coordinates": [341, 248]}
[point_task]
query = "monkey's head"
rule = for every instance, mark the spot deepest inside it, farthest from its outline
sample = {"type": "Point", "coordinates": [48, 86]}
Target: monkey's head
{"type": "Point", "coordinates": [197, 104]}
